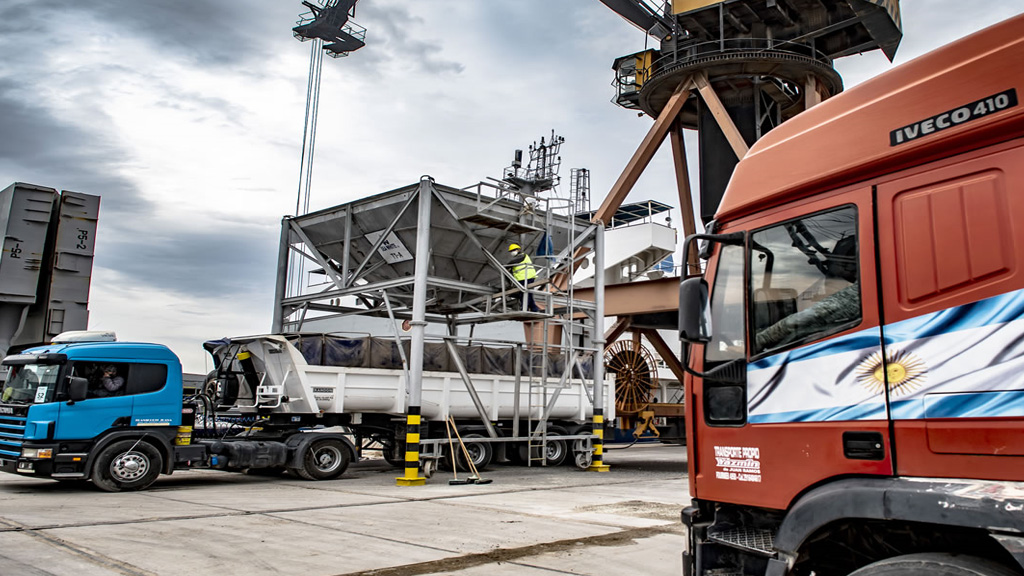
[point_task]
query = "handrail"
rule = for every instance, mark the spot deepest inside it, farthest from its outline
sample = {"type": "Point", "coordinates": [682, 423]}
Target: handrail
{"type": "Point", "coordinates": [625, 77]}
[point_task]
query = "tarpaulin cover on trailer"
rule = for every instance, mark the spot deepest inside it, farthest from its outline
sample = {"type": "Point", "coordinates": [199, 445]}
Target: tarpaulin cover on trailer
{"type": "Point", "coordinates": [370, 352]}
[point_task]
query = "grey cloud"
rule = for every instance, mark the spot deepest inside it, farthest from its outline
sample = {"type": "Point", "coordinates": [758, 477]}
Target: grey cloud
{"type": "Point", "coordinates": [390, 28]}
{"type": "Point", "coordinates": [39, 148]}
{"type": "Point", "coordinates": [227, 261]}
{"type": "Point", "coordinates": [219, 33]}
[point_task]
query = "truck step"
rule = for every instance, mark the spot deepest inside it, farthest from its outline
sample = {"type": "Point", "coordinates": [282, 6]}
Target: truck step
{"type": "Point", "coordinates": [756, 540]}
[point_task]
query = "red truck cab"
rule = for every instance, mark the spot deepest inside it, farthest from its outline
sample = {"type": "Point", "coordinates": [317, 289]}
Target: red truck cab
{"type": "Point", "coordinates": [856, 396]}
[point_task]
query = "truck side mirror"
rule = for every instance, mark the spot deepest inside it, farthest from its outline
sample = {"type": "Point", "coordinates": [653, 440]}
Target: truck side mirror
{"type": "Point", "coordinates": [694, 312]}
{"type": "Point", "coordinates": [78, 388]}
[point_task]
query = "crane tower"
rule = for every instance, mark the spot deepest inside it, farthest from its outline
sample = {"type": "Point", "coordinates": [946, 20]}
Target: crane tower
{"type": "Point", "coordinates": [735, 69]}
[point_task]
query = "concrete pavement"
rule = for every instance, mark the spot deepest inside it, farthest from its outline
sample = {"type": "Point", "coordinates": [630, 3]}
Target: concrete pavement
{"type": "Point", "coordinates": [527, 521]}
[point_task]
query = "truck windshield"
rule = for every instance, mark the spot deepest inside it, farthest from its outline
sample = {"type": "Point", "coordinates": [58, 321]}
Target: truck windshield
{"type": "Point", "coordinates": [30, 383]}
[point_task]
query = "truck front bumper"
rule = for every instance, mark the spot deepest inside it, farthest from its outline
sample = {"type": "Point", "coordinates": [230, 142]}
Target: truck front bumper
{"type": "Point", "coordinates": [32, 466]}
{"type": "Point", "coordinates": [65, 465]}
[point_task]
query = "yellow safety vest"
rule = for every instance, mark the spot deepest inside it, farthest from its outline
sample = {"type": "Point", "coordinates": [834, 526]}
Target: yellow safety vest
{"type": "Point", "coordinates": [524, 270]}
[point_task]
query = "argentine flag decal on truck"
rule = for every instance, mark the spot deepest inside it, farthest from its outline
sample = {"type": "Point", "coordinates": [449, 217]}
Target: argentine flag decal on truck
{"type": "Point", "coordinates": [962, 362]}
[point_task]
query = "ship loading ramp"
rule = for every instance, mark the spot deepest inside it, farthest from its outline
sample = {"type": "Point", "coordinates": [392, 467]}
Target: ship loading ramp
{"type": "Point", "coordinates": [427, 264]}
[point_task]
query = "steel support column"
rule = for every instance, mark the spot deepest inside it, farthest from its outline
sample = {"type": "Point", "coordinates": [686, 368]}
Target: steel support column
{"type": "Point", "coordinates": [419, 326]}
{"type": "Point", "coordinates": [685, 197]}
{"type": "Point", "coordinates": [732, 133]}
{"type": "Point", "coordinates": [277, 324]}
{"type": "Point", "coordinates": [666, 353]}
{"type": "Point", "coordinates": [597, 464]}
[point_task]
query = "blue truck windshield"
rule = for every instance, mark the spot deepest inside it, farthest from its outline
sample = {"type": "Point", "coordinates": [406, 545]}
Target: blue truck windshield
{"type": "Point", "coordinates": [30, 383]}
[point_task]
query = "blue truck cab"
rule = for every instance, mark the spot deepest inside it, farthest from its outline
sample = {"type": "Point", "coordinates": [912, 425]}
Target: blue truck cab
{"type": "Point", "coordinates": [114, 413]}
{"type": "Point", "coordinates": [69, 411]}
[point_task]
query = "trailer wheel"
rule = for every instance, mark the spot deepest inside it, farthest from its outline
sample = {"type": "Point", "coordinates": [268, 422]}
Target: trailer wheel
{"type": "Point", "coordinates": [325, 460]}
{"type": "Point", "coordinates": [127, 465]}
{"type": "Point", "coordinates": [480, 453]}
{"type": "Point", "coordinates": [935, 564]}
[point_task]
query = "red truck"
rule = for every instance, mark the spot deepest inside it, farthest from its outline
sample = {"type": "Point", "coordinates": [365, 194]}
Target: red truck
{"type": "Point", "coordinates": [855, 396]}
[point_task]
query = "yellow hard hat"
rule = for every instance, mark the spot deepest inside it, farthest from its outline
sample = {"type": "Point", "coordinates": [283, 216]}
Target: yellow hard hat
{"type": "Point", "coordinates": [512, 247]}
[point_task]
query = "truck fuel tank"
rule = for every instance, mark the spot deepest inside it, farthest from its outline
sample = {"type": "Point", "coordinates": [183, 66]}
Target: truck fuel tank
{"type": "Point", "coordinates": [248, 453]}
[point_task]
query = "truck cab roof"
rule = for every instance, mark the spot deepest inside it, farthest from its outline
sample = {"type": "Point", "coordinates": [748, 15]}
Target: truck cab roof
{"type": "Point", "coordinates": [134, 351]}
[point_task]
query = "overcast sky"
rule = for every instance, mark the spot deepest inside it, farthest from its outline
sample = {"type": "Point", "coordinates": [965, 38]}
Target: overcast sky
{"type": "Point", "coordinates": [186, 117]}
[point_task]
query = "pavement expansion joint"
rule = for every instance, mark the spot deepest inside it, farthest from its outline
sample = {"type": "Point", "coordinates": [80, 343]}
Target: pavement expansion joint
{"type": "Point", "coordinates": [85, 554]}
{"type": "Point", "coordinates": [510, 555]}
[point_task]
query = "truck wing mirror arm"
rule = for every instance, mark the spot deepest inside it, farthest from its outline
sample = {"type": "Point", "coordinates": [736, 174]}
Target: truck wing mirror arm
{"type": "Point", "coordinates": [731, 239]}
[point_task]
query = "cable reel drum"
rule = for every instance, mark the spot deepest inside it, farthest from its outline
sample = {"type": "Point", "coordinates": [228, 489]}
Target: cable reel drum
{"type": "Point", "coordinates": [636, 377]}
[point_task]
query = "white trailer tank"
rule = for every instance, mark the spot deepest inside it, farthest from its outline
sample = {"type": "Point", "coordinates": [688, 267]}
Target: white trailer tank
{"type": "Point", "coordinates": [288, 383]}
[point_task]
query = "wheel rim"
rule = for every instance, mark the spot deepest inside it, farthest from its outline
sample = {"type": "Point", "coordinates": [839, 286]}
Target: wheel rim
{"type": "Point", "coordinates": [327, 458]}
{"type": "Point", "coordinates": [476, 452]}
{"type": "Point", "coordinates": [129, 466]}
{"type": "Point", "coordinates": [555, 449]}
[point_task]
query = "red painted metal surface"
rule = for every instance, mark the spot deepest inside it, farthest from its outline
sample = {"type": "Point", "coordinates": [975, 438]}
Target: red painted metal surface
{"type": "Point", "coordinates": [846, 139]}
{"type": "Point", "coordinates": [950, 229]}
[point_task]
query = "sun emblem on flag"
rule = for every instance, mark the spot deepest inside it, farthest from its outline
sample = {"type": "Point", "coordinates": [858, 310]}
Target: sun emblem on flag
{"type": "Point", "coordinates": [904, 371]}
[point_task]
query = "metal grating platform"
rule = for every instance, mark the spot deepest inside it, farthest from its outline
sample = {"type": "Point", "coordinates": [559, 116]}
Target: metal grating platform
{"type": "Point", "coordinates": [756, 540]}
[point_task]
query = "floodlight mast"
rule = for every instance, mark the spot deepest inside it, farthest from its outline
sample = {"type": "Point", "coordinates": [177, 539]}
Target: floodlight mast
{"type": "Point", "coordinates": [328, 26]}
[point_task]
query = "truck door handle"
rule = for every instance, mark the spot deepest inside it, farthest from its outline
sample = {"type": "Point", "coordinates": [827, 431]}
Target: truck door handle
{"type": "Point", "coordinates": [863, 445]}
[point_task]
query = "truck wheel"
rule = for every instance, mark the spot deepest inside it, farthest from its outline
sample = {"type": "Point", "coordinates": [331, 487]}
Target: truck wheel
{"type": "Point", "coordinates": [556, 449]}
{"type": "Point", "coordinates": [325, 460]}
{"type": "Point", "coordinates": [127, 465]}
{"type": "Point", "coordinates": [513, 453]}
{"type": "Point", "coordinates": [935, 564]}
{"type": "Point", "coordinates": [394, 452]}
{"type": "Point", "coordinates": [480, 453]}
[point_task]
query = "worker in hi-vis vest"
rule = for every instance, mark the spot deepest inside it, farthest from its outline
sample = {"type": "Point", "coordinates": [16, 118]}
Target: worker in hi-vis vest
{"type": "Point", "coordinates": [523, 271]}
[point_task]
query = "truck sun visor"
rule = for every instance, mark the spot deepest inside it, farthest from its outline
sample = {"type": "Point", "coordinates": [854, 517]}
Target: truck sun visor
{"type": "Point", "coordinates": [22, 359]}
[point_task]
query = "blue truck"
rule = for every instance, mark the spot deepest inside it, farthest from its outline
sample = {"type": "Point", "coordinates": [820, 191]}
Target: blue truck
{"type": "Point", "coordinates": [114, 413]}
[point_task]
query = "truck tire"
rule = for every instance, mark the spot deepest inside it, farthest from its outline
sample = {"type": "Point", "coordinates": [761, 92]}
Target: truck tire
{"type": "Point", "coordinates": [127, 465]}
{"type": "Point", "coordinates": [935, 564]}
{"type": "Point", "coordinates": [480, 453]}
{"type": "Point", "coordinates": [513, 453]}
{"type": "Point", "coordinates": [557, 450]}
{"type": "Point", "coordinates": [324, 460]}
{"type": "Point", "coordinates": [393, 451]}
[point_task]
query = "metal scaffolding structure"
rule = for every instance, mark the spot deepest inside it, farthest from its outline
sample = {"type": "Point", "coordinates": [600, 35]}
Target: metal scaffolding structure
{"type": "Point", "coordinates": [428, 254]}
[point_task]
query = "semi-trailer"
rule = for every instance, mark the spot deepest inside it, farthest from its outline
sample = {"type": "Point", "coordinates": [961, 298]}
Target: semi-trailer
{"type": "Point", "coordinates": [114, 413]}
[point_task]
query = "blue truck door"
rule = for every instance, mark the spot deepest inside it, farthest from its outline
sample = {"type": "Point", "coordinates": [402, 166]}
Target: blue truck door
{"type": "Point", "coordinates": [91, 417]}
{"type": "Point", "coordinates": [101, 410]}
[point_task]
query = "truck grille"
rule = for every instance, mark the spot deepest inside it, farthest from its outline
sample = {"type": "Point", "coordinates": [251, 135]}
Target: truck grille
{"type": "Point", "coordinates": [12, 433]}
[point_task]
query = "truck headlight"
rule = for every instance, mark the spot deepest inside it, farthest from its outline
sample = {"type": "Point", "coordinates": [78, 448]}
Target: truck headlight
{"type": "Point", "coordinates": [37, 452]}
